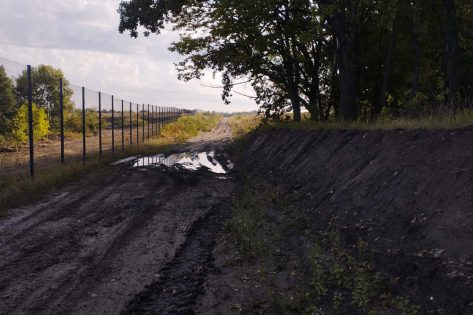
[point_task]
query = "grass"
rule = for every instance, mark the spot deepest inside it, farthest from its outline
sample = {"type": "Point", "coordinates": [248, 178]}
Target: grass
{"type": "Point", "coordinates": [263, 231]}
{"type": "Point", "coordinates": [189, 126]}
{"type": "Point", "coordinates": [441, 120]}
{"type": "Point", "coordinates": [19, 188]}
{"type": "Point", "coordinates": [243, 124]}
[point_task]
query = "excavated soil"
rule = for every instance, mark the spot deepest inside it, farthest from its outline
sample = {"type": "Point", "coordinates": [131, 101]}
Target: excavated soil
{"type": "Point", "coordinates": [408, 193]}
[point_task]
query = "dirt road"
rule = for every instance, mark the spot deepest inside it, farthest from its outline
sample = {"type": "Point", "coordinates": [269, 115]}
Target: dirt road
{"type": "Point", "coordinates": [136, 240]}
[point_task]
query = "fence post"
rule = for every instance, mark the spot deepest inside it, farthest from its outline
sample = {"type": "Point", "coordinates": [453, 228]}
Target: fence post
{"type": "Point", "coordinates": [152, 120]}
{"type": "Point", "coordinates": [83, 125]}
{"type": "Point", "coordinates": [30, 120]}
{"type": "Point", "coordinates": [159, 121]}
{"type": "Point", "coordinates": [143, 118]}
{"type": "Point", "coordinates": [113, 126]}
{"type": "Point", "coordinates": [137, 125]}
{"type": "Point", "coordinates": [100, 125]}
{"type": "Point", "coordinates": [131, 127]}
{"type": "Point", "coordinates": [123, 129]}
{"type": "Point", "coordinates": [61, 118]}
{"type": "Point", "coordinates": [148, 121]}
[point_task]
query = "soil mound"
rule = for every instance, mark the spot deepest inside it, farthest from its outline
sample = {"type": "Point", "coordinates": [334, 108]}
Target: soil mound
{"type": "Point", "coordinates": [408, 193]}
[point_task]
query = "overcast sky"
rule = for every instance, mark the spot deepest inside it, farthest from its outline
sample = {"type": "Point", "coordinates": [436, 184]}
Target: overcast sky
{"type": "Point", "coordinates": [81, 37]}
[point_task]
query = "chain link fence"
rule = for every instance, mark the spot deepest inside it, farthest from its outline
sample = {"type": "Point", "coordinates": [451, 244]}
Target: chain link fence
{"type": "Point", "coordinates": [52, 121]}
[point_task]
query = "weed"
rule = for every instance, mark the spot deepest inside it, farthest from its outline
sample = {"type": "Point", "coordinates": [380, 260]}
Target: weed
{"type": "Point", "coordinates": [331, 274]}
{"type": "Point", "coordinates": [248, 225]}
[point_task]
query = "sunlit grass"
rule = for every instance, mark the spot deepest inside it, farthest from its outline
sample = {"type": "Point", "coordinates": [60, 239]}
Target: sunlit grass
{"type": "Point", "coordinates": [243, 124]}
{"type": "Point", "coordinates": [188, 126]}
{"type": "Point", "coordinates": [441, 120]}
{"type": "Point", "coordinates": [20, 188]}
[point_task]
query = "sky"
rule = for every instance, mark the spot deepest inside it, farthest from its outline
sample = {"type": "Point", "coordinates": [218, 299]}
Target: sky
{"type": "Point", "coordinates": [81, 37]}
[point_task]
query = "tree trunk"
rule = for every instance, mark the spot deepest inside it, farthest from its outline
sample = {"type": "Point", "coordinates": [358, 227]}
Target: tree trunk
{"type": "Point", "coordinates": [386, 71]}
{"type": "Point", "coordinates": [348, 108]}
{"type": "Point", "coordinates": [418, 56]}
{"type": "Point", "coordinates": [346, 65]}
{"type": "Point", "coordinates": [451, 50]}
{"type": "Point", "coordinates": [293, 88]}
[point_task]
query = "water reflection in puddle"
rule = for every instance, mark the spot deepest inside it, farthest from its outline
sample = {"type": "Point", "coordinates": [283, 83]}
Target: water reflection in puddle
{"type": "Point", "coordinates": [189, 161]}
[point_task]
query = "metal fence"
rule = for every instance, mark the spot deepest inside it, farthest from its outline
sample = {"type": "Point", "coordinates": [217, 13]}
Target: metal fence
{"type": "Point", "coordinates": [104, 122]}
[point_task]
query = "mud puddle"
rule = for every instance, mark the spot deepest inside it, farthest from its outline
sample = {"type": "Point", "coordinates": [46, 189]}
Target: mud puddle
{"type": "Point", "coordinates": [191, 161]}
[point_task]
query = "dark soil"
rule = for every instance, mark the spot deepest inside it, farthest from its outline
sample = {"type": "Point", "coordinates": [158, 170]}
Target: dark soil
{"type": "Point", "coordinates": [181, 280]}
{"type": "Point", "coordinates": [408, 193]}
{"type": "Point", "coordinates": [94, 246]}
{"type": "Point", "coordinates": [145, 240]}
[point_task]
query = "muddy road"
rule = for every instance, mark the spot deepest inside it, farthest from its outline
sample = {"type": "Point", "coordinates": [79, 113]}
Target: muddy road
{"type": "Point", "coordinates": [134, 241]}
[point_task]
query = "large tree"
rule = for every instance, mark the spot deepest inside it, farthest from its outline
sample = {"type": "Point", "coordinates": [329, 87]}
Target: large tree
{"type": "Point", "coordinates": [268, 43]}
{"type": "Point", "coordinates": [354, 59]}
{"type": "Point", "coordinates": [7, 102]}
{"type": "Point", "coordinates": [45, 91]}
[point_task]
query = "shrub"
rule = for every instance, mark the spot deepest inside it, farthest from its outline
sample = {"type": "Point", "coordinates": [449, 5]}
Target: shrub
{"type": "Point", "coordinates": [73, 121]}
{"type": "Point", "coordinates": [40, 124]}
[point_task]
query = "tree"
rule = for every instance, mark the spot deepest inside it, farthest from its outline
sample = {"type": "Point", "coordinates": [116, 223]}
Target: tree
{"type": "Point", "coordinates": [261, 42]}
{"type": "Point", "coordinates": [45, 91]}
{"type": "Point", "coordinates": [40, 123]}
{"type": "Point", "coordinates": [7, 102]}
{"type": "Point", "coordinates": [354, 59]}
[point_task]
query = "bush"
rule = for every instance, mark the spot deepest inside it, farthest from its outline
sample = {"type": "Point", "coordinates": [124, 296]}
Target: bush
{"type": "Point", "coordinates": [73, 121]}
{"type": "Point", "coordinates": [20, 123]}
{"type": "Point", "coordinates": [189, 126]}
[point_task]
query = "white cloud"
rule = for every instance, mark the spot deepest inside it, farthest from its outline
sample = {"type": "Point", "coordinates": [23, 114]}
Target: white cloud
{"type": "Point", "coordinates": [81, 37]}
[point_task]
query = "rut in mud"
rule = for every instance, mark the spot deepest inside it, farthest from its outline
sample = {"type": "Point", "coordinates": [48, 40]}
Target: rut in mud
{"type": "Point", "coordinates": [95, 246]}
{"type": "Point", "coordinates": [181, 280]}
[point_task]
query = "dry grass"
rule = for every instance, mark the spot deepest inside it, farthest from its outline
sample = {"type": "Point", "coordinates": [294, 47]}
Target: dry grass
{"type": "Point", "coordinates": [443, 120]}
{"type": "Point", "coordinates": [18, 187]}
{"type": "Point", "coordinates": [243, 124]}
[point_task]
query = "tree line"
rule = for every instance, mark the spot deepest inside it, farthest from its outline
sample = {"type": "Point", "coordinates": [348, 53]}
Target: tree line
{"type": "Point", "coordinates": [46, 109]}
{"type": "Point", "coordinates": [346, 60]}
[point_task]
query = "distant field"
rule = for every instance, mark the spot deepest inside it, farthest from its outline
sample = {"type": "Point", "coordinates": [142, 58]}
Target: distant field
{"type": "Point", "coordinates": [242, 124]}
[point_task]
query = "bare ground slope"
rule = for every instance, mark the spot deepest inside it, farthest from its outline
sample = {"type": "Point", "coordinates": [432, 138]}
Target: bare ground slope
{"type": "Point", "coordinates": [408, 193]}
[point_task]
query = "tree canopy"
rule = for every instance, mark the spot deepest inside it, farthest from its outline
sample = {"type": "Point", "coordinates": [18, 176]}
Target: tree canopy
{"type": "Point", "coordinates": [354, 59]}
{"type": "Point", "coordinates": [7, 101]}
{"type": "Point", "coordinates": [45, 91]}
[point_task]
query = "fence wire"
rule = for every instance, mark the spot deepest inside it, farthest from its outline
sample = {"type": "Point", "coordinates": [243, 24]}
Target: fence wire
{"type": "Point", "coordinates": [79, 122]}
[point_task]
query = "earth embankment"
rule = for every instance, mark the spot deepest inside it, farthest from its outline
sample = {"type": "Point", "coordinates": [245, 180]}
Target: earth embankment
{"type": "Point", "coordinates": [407, 193]}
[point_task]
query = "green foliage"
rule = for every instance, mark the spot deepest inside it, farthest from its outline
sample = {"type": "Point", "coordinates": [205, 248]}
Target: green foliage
{"type": "Point", "coordinates": [40, 124]}
{"type": "Point", "coordinates": [189, 126]}
{"type": "Point", "coordinates": [319, 54]}
{"type": "Point", "coordinates": [331, 274]}
{"type": "Point", "coordinates": [248, 226]}
{"type": "Point", "coordinates": [341, 277]}
{"type": "Point", "coordinates": [7, 102]}
{"type": "Point", "coordinates": [45, 91]}
{"type": "Point", "coordinates": [73, 121]}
